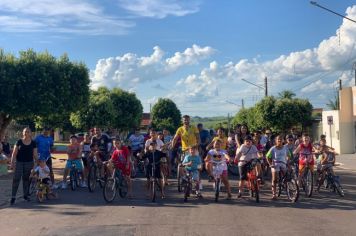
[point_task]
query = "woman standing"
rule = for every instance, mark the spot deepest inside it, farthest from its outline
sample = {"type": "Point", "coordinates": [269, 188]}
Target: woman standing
{"type": "Point", "coordinates": [22, 160]}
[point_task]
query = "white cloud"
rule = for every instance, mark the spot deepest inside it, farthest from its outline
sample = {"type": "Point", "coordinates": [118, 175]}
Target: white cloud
{"type": "Point", "coordinates": [318, 68]}
{"type": "Point", "coordinates": [160, 8]}
{"type": "Point", "coordinates": [70, 16]}
{"type": "Point", "coordinates": [128, 70]}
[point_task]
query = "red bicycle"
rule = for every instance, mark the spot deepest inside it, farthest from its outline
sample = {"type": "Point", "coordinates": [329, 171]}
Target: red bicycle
{"type": "Point", "coordinates": [253, 182]}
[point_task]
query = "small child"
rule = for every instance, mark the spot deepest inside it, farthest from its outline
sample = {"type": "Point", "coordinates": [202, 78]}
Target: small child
{"type": "Point", "coordinates": [74, 156]}
{"type": "Point", "coordinates": [193, 164]}
{"type": "Point", "coordinates": [43, 172]}
{"type": "Point", "coordinates": [3, 162]}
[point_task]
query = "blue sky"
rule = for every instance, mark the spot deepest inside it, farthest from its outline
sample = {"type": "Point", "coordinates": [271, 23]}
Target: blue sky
{"type": "Point", "coordinates": [193, 51]}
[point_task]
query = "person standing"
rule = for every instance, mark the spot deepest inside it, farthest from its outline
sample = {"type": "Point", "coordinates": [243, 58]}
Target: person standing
{"type": "Point", "coordinates": [204, 139]}
{"type": "Point", "coordinates": [44, 144]}
{"type": "Point", "coordinates": [22, 161]}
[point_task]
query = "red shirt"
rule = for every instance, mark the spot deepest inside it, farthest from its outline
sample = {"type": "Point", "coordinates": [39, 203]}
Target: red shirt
{"type": "Point", "coordinates": [121, 157]}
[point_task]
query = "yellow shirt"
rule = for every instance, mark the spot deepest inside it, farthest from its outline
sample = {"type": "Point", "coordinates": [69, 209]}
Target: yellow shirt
{"type": "Point", "coordinates": [223, 140]}
{"type": "Point", "coordinates": [188, 137]}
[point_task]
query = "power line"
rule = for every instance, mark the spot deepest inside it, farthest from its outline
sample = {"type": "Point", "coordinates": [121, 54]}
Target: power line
{"type": "Point", "coordinates": [316, 4]}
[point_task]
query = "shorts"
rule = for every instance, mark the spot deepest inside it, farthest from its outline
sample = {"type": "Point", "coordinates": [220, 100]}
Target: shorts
{"type": "Point", "coordinates": [124, 171]}
{"type": "Point", "coordinates": [244, 168]}
{"type": "Point", "coordinates": [78, 164]}
{"type": "Point", "coordinates": [303, 163]}
{"type": "Point", "coordinates": [279, 167]}
{"type": "Point", "coordinates": [157, 173]}
{"type": "Point", "coordinates": [195, 174]}
{"type": "Point", "coordinates": [85, 161]}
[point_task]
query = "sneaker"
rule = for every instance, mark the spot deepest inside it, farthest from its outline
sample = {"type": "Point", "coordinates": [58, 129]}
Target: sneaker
{"type": "Point", "coordinates": [239, 195]}
{"type": "Point", "coordinates": [228, 197]}
{"type": "Point", "coordinates": [27, 198]}
{"type": "Point", "coordinates": [12, 201]}
{"type": "Point", "coordinates": [211, 178]}
{"type": "Point", "coordinates": [64, 185]}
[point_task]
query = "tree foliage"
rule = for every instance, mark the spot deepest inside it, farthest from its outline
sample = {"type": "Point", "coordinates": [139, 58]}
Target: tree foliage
{"type": "Point", "coordinates": [277, 114]}
{"type": "Point", "coordinates": [165, 114]}
{"type": "Point", "coordinates": [109, 109]}
{"type": "Point", "coordinates": [38, 84]}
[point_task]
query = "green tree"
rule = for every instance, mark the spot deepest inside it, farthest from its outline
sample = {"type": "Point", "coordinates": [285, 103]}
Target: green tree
{"type": "Point", "coordinates": [38, 84]}
{"type": "Point", "coordinates": [165, 114]}
{"type": "Point", "coordinates": [286, 94]}
{"type": "Point", "coordinates": [109, 109]}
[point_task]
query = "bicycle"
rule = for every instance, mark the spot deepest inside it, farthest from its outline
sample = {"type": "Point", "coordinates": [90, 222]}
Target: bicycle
{"type": "Point", "coordinates": [179, 160]}
{"type": "Point", "coordinates": [307, 180]}
{"type": "Point", "coordinates": [232, 168]}
{"type": "Point", "coordinates": [332, 182]}
{"type": "Point", "coordinates": [95, 175]}
{"type": "Point", "coordinates": [218, 168]}
{"type": "Point", "coordinates": [253, 182]}
{"type": "Point", "coordinates": [43, 191]}
{"type": "Point", "coordinates": [116, 182]}
{"type": "Point", "coordinates": [74, 176]}
{"type": "Point", "coordinates": [288, 183]}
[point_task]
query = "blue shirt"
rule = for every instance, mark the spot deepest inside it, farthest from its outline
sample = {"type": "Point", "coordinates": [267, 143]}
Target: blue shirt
{"type": "Point", "coordinates": [196, 160]}
{"type": "Point", "coordinates": [44, 144]}
{"type": "Point", "coordinates": [204, 136]}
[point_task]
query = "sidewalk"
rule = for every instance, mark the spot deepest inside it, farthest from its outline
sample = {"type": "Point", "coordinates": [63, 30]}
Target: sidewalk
{"type": "Point", "coordinates": [346, 161]}
{"type": "Point", "coordinates": [6, 183]}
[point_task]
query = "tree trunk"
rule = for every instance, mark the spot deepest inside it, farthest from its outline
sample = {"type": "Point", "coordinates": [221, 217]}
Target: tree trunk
{"type": "Point", "coordinates": [5, 120]}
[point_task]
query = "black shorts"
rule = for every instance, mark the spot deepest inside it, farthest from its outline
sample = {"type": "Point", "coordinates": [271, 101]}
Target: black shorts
{"type": "Point", "coordinates": [245, 168]}
{"type": "Point", "coordinates": [85, 161]}
{"type": "Point", "coordinates": [157, 172]}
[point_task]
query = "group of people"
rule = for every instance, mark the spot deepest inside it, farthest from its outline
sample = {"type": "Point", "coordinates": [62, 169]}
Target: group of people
{"type": "Point", "coordinates": [199, 151]}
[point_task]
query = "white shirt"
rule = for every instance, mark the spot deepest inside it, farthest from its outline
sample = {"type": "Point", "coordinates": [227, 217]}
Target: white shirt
{"type": "Point", "coordinates": [42, 172]}
{"type": "Point", "coordinates": [158, 145]}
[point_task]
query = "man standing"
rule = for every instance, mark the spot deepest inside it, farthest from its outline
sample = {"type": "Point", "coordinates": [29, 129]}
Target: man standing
{"type": "Point", "coordinates": [44, 147]}
{"type": "Point", "coordinates": [189, 135]}
{"type": "Point", "coordinates": [103, 142]}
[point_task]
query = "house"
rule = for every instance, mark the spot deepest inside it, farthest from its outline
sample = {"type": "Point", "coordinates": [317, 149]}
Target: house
{"type": "Point", "coordinates": [339, 126]}
{"type": "Point", "coordinates": [145, 121]}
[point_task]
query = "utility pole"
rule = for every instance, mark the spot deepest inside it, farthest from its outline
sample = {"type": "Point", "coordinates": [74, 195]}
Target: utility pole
{"type": "Point", "coordinates": [242, 103]}
{"type": "Point", "coordinates": [266, 89]}
{"type": "Point", "coordinates": [340, 84]}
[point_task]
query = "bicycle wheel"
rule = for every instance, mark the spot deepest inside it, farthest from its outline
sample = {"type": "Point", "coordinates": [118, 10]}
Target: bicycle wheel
{"type": "Point", "coordinates": [100, 178]}
{"type": "Point", "coordinates": [109, 190]}
{"type": "Point", "coordinates": [292, 190]}
{"type": "Point", "coordinates": [40, 196]}
{"type": "Point", "coordinates": [92, 178]}
{"type": "Point", "coordinates": [256, 191]}
{"type": "Point", "coordinates": [73, 179]}
{"type": "Point", "coordinates": [187, 189]}
{"type": "Point", "coordinates": [233, 169]}
{"type": "Point", "coordinates": [179, 180]}
{"type": "Point", "coordinates": [308, 175]}
{"type": "Point", "coordinates": [217, 189]}
{"type": "Point", "coordinates": [338, 188]}
{"type": "Point", "coordinates": [32, 185]}
{"type": "Point", "coordinates": [153, 189]}
{"type": "Point", "coordinates": [123, 187]}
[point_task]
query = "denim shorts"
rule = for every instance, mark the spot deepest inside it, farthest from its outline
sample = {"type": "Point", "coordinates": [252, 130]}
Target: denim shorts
{"type": "Point", "coordinates": [78, 164]}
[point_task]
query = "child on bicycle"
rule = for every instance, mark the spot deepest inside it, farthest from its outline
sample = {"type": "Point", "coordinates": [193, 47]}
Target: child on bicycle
{"type": "Point", "coordinates": [120, 159]}
{"type": "Point", "coordinates": [192, 164]}
{"type": "Point", "coordinates": [305, 151]}
{"type": "Point", "coordinates": [43, 171]}
{"type": "Point", "coordinates": [277, 158]}
{"type": "Point", "coordinates": [74, 156]}
{"type": "Point", "coordinates": [245, 155]}
{"type": "Point", "coordinates": [217, 155]}
{"type": "Point", "coordinates": [327, 161]}
{"type": "Point", "coordinates": [153, 157]}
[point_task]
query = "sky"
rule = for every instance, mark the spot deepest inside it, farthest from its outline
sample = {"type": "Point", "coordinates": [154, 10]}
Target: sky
{"type": "Point", "coordinates": [199, 53]}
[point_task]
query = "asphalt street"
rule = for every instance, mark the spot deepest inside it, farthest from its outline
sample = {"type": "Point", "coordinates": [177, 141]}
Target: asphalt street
{"type": "Point", "coordinates": [83, 213]}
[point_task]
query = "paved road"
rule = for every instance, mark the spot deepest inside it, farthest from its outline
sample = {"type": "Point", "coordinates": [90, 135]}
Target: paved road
{"type": "Point", "coordinates": [84, 213]}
